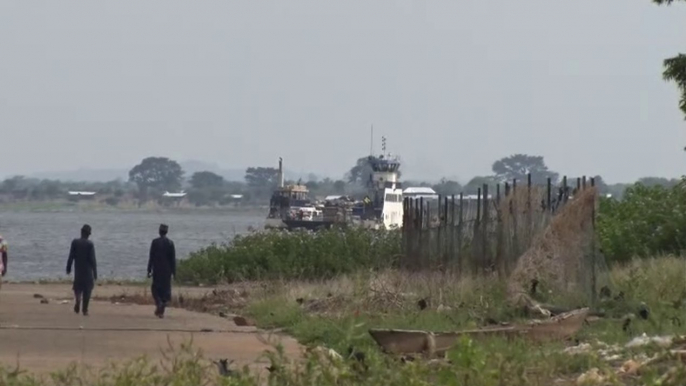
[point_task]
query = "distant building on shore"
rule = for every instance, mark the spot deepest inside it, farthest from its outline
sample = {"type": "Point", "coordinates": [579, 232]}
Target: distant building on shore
{"type": "Point", "coordinates": [180, 195]}
{"type": "Point", "coordinates": [169, 198]}
{"type": "Point", "coordinates": [80, 195]}
{"type": "Point", "coordinates": [424, 192]}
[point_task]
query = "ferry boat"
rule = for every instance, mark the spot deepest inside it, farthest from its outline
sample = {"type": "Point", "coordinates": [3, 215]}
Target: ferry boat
{"type": "Point", "coordinates": [382, 207]}
{"type": "Point", "coordinates": [289, 202]}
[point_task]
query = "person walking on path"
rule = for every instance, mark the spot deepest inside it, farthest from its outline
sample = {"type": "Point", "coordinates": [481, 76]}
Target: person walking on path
{"type": "Point", "coordinates": [162, 267]}
{"type": "Point", "coordinates": [82, 255]}
{"type": "Point", "coordinates": [3, 258]}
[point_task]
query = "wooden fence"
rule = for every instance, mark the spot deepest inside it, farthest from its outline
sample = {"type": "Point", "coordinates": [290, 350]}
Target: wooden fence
{"type": "Point", "coordinates": [481, 233]}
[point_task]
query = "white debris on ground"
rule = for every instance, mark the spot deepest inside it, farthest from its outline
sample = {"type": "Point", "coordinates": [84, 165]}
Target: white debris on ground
{"type": "Point", "coordinates": [591, 377]}
{"type": "Point", "coordinates": [615, 354]}
{"type": "Point", "coordinates": [645, 340]}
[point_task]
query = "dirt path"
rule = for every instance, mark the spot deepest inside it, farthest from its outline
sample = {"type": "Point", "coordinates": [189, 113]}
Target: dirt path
{"type": "Point", "coordinates": [48, 337]}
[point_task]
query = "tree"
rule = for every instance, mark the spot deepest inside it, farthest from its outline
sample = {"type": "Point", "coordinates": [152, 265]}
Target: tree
{"type": "Point", "coordinates": [675, 67]}
{"type": "Point", "coordinates": [517, 166]}
{"type": "Point", "coordinates": [260, 177]}
{"type": "Point", "coordinates": [447, 187]}
{"type": "Point", "coordinates": [203, 180]}
{"type": "Point", "coordinates": [658, 181]}
{"type": "Point", "coordinates": [600, 183]}
{"type": "Point", "coordinates": [478, 182]}
{"type": "Point", "coordinates": [156, 173]}
{"type": "Point", "coordinates": [359, 174]}
{"type": "Point", "coordinates": [675, 70]}
{"type": "Point", "coordinates": [12, 184]}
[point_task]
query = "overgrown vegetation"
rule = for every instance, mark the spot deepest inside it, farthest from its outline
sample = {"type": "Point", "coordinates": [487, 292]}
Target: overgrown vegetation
{"type": "Point", "coordinates": [647, 221]}
{"type": "Point", "coordinates": [297, 255]}
{"type": "Point", "coordinates": [337, 313]}
{"type": "Point", "coordinates": [392, 300]}
{"type": "Point", "coordinates": [490, 364]}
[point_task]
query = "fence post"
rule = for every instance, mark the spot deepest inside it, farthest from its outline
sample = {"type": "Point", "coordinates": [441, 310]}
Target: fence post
{"type": "Point", "coordinates": [515, 225]}
{"type": "Point", "coordinates": [452, 231]}
{"type": "Point", "coordinates": [420, 232]}
{"type": "Point", "coordinates": [500, 248]}
{"type": "Point", "coordinates": [407, 231]}
{"type": "Point", "coordinates": [578, 185]}
{"type": "Point", "coordinates": [484, 229]}
{"type": "Point", "coordinates": [529, 209]}
{"type": "Point", "coordinates": [594, 255]}
{"type": "Point", "coordinates": [445, 226]}
{"type": "Point", "coordinates": [476, 246]}
{"type": "Point", "coordinates": [429, 236]}
{"type": "Point", "coordinates": [548, 192]}
{"type": "Point", "coordinates": [460, 235]}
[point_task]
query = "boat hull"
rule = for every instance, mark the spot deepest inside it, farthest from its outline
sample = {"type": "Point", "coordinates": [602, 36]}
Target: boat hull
{"type": "Point", "coordinates": [429, 343]}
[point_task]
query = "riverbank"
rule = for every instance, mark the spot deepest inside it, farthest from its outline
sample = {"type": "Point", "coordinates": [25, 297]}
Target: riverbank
{"type": "Point", "coordinates": [338, 312]}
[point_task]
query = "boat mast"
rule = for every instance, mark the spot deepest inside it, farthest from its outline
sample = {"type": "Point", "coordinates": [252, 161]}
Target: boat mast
{"type": "Point", "coordinates": [281, 172]}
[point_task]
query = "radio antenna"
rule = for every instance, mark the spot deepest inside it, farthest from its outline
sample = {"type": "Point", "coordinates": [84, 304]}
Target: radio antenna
{"type": "Point", "coordinates": [371, 145]}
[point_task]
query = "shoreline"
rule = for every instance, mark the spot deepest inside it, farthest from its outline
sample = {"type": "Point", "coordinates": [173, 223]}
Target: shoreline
{"type": "Point", "coordinates": [46, 207]}
{"type": "Point", "coordinates": [98, 283]}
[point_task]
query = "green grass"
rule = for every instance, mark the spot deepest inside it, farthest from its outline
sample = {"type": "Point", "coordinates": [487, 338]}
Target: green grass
{"type": "Point", "coordinates": [491, 363]}
{"type": "Point", "coordinates": [350, 305]}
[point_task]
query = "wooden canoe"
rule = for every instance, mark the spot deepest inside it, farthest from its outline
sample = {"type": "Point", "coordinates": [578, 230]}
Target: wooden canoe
{"type": "Point", "coordinates": [560, 327]}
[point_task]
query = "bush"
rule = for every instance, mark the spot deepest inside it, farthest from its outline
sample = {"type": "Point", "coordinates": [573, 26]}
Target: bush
{"type": "Point", "coordinates": [648, 221]}
{"type": "Point", "coordinates": [112, 201]}
{"type": "Point", "coordinates": [292, 255]}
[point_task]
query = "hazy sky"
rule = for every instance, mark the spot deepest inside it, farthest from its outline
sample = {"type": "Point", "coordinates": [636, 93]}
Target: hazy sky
{"type": "Point", "coordinates": [454, 85]}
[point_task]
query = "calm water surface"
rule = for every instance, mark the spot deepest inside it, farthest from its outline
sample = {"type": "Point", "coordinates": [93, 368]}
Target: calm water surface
{"type": "Point", "coordinates": [39, 242]}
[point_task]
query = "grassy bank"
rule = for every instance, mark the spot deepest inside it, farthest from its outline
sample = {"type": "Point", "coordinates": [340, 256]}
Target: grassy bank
{"type": "Point", "coordinates": [337, 313]}
{"type": "Point", "coordinates": [390, 299]}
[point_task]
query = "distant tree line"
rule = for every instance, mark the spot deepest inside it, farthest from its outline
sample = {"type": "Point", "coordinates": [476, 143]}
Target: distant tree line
{"type": "Point", "coordinates": [518, 166]}
{"type": "Point", "coordinates": [154, 176]}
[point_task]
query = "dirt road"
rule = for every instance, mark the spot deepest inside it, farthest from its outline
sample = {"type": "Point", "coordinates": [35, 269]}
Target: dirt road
{"type": "Point", "coordinates": [48, 337]}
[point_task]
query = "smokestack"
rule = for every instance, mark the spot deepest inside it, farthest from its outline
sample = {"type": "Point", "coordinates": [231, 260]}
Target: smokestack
{"type": "Point", "coordinates": [280, 172]}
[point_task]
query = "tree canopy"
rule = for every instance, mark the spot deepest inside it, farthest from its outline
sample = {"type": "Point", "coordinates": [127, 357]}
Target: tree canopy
{"type": "Point", "coordinates": [478, 182]}
{"type": "Point", "coordinates": [158, 173]}
{"type": "Point", "coordinates": [201, 180]}
{"type": "Point", "coordinates": [359, 174]}
{"type": "Point", "coordinates": [675, 67]}
{"type": "Point", "coordinates": [517, 166]}
{"type": "Point", "coordinates": [261, 177]}
{"type": "Point", "coordinates": [447, 187]}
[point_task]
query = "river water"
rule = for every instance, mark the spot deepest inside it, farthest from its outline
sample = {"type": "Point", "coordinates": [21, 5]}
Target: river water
{"type": "Point", "coordinates": [39, 241]}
